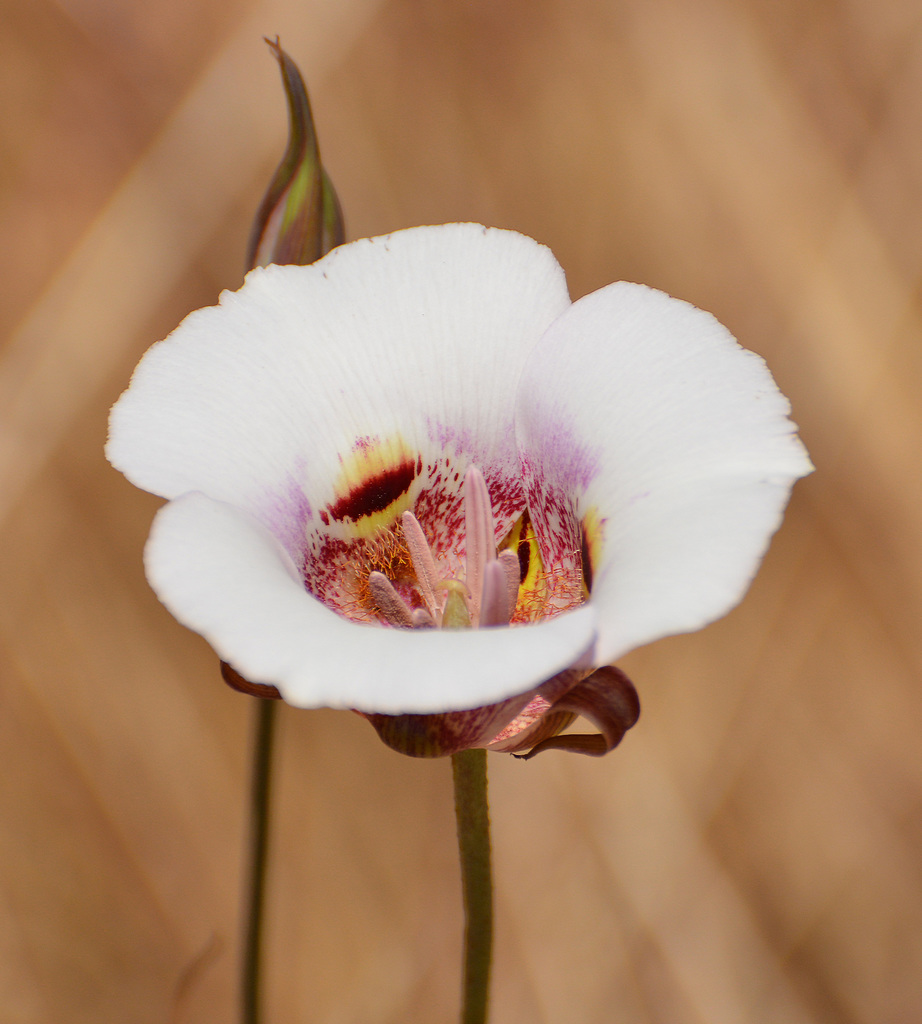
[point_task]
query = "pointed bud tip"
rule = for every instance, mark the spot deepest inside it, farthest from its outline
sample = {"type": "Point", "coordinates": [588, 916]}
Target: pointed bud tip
{"type": "Point", "coordinates": [299, 219]}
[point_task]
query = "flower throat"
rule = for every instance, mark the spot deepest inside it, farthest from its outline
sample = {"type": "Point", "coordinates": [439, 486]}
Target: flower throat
{"type": "Point", "coordinates": [399, 580]}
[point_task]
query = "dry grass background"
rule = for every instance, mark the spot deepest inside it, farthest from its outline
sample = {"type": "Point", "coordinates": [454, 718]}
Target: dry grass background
{"type": "Point", "coordinates": [753, 853]}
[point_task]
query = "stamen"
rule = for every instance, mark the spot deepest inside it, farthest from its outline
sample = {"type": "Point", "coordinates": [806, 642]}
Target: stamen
{"type": "Point", "coordinates": [497, 608]}
{"type": "Point", "coordinates": [480, 535]}
{"type": "Point", "coordinates": [388, 603]}
{"type": "Point", "coordinates": [423, 562]}
{"type": "Point", "coordinates": [492, 588]}
{"type": "Point", "coordinates": [422, 619]}
{"type": "Point", "coordinates": [512, 569]}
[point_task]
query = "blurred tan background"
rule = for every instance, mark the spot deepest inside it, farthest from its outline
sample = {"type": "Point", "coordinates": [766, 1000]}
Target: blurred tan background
{"type": "Point", "coordinates": [753, 852]}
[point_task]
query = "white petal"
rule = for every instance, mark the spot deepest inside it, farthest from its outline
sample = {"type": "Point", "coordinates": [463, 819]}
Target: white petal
{"type": "Point", "coordinates": [644, 412]}
{"type": "Point", "coordinates": [223, 575]}
{"type": "Point", "coordinates": [413, 341]}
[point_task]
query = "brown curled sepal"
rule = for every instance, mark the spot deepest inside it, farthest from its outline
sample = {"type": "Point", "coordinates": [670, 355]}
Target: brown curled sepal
{"type": "Point", "coordinates": [608, 699]}
{"type": "Point", "coordinates": [236, 682]}
{"type": "Point", "coordinates": [548, 725]}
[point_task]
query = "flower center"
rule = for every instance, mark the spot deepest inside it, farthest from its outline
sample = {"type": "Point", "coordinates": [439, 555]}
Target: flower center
{"type": "Point", "coordinates": [485, 596]}
{"type": "Point", "coordinates": [392, 575]}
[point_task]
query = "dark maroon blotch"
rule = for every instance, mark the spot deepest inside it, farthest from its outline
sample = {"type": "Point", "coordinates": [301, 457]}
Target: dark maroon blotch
{"type": "Point", "coordinates": [585, 560]}
{"type": "Point", "coordinates": [524, 552]}
{"type": "Point", "coordinates": [376, 494]}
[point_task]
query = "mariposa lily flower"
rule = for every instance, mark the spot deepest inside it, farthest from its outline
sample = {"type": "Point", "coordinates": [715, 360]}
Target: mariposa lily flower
{"type": "Point", "coordinates": [414, 480]}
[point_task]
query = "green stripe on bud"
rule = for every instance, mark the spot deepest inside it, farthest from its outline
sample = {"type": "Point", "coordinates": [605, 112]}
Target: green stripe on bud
{"type": "Point", "coordinates": [299, 219]}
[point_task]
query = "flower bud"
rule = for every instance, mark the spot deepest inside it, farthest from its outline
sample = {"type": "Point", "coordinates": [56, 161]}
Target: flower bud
{"type": "Point", "coordinates": [299, 219]}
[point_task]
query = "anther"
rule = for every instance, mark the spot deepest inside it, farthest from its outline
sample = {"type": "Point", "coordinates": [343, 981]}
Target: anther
{"type": "Point", "coordinates": [423, 562]}
{"type": "Point", "coordinates": [496, 608]}
{"type": "Point", "coordinates": [512, 570]}
{"type": "Point", "coordinates": [480, 530]}
{"type": "Point", "coordinates": [388, 603]}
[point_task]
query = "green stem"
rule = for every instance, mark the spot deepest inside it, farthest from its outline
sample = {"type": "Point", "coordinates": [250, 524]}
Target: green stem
{"type": "Point", "coordinates": [469, 769]}
{"type": "Point", "coordinates": [259, 842]}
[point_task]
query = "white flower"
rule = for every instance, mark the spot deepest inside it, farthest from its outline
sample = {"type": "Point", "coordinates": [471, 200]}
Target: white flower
{"type": "Point", "coordinates": [315, 435]}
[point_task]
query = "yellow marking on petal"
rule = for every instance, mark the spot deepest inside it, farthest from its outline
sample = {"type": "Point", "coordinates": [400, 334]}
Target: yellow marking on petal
{"type": "Point", "coordinates": [374, 487]}
{"type": "Point", "coordinates": [543, 592]}
{"type": "Point", "coordinates": [592, 529]}
{"type": "Point", "coordinates": [532, 596]}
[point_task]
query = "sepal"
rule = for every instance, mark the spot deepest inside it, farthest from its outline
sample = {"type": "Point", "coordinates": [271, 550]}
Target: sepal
{"type": "Point", "coordinates": [608, 699]}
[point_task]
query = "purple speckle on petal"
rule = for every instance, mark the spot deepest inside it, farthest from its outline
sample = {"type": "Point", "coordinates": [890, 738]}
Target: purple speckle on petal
{"type": "Point", "coordinates": [286, 514]}
{"type": "Point", "coordinates": [564, 458]}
